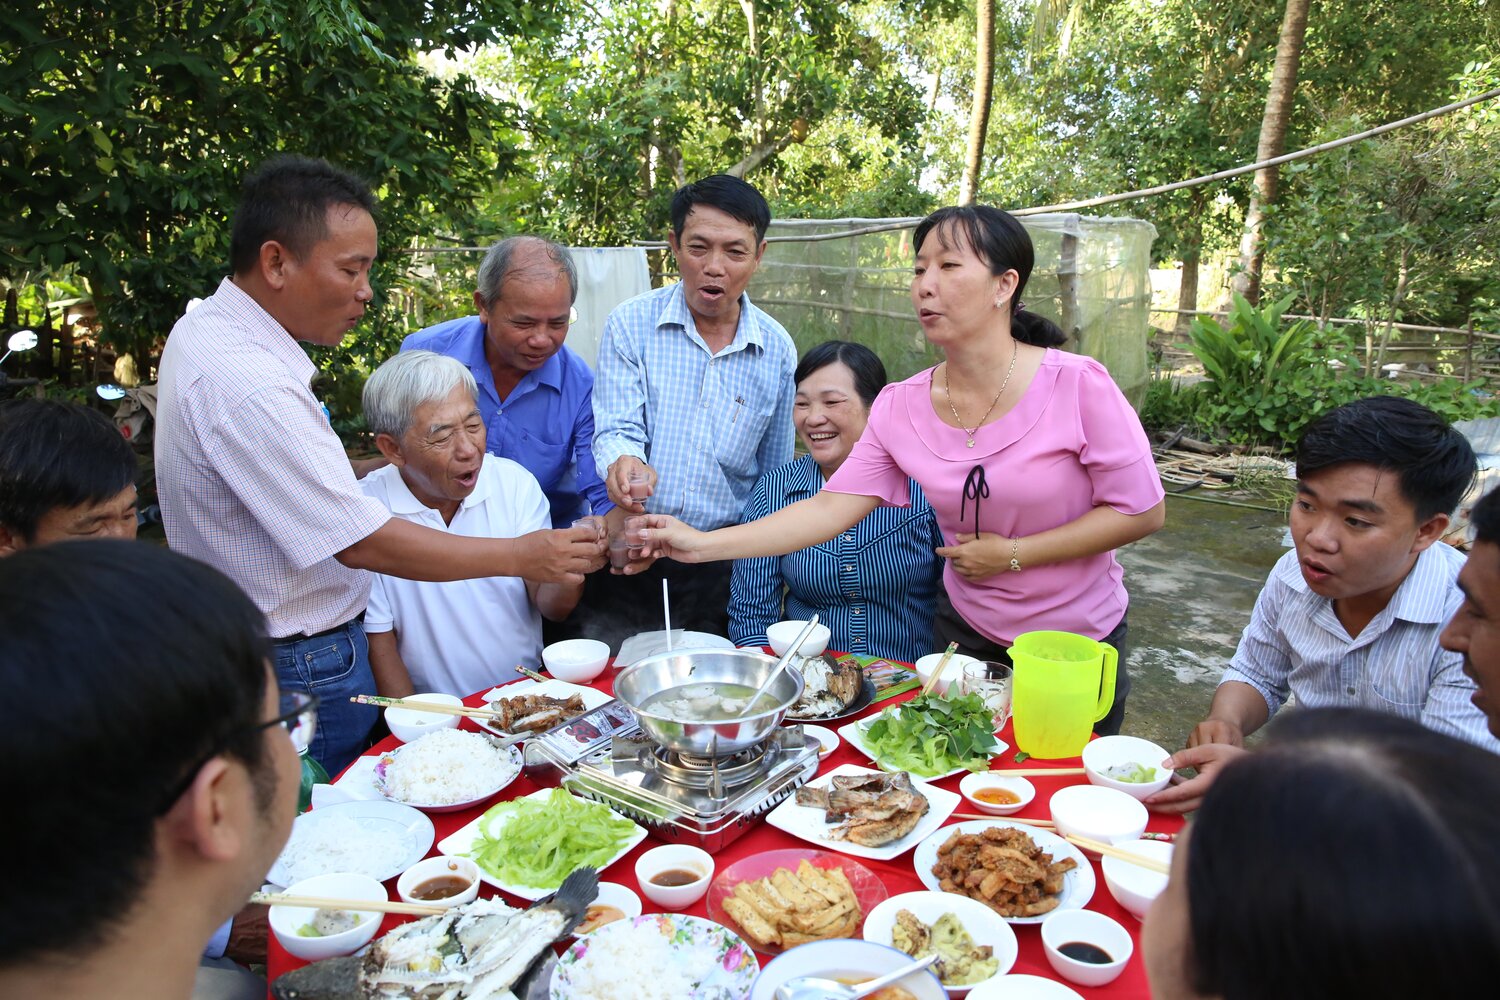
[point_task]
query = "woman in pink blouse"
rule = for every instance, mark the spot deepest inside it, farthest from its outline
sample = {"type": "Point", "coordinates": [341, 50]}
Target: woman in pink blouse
{"type": "Point", "coordinates": [1036, 466]}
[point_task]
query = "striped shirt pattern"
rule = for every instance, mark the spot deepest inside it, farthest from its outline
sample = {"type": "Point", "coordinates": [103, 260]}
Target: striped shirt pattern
{"type": "Point", "coordinates": [710, 425]}
{"type": "Point", "coordinates": [874, 586]}
{"type": "Point", "coordinates": [1295, 646]}
{"type": "Point", "coordinates": [252, 479]}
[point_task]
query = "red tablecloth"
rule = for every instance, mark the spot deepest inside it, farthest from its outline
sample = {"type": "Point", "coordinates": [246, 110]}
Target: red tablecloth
{"type": "Point", "coordinates": [898, 875]}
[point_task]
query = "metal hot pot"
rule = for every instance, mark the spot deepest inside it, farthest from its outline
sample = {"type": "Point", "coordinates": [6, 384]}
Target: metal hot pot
{"type": "Point", "coordinates": [645, 679]}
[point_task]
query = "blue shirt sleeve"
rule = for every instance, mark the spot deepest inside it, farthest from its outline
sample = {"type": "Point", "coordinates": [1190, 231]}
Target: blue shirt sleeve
{"type": "Point", "coordinates": [590, 483]}
{"type": "Point", "coordinates": [619, 396]}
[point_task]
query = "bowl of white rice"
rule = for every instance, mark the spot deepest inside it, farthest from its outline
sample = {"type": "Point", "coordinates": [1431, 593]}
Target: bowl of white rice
{"type": "Point", "coordinates": [446, 770]}
{"type": "Point", "coordinates": [660, 956]}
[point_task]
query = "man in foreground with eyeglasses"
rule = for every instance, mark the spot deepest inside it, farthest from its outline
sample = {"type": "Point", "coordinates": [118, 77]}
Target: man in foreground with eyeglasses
{"type": "Point", "coordinates": [153, 763]}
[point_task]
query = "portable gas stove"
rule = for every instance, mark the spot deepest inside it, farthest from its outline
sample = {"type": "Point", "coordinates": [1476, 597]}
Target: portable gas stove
{"type": "Point", "coordinates": [707, 801]}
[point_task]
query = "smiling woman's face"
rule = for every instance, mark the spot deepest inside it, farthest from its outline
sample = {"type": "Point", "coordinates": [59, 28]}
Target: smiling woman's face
{"type": "Point", "coordinates": [829, 415]}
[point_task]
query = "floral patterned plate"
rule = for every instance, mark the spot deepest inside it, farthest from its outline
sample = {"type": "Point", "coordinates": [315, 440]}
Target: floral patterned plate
{"type": "Point", "coordinates": [720, 965]}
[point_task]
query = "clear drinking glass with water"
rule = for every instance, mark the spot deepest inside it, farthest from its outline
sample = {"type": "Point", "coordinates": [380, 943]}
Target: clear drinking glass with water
{"type": "Point", "coordinates": [990, 680]}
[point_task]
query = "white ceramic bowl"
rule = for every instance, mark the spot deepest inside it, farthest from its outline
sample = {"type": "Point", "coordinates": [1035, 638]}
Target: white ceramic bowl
{"type": "Point", "coordinates": [972, 783]}
{"type": "Point", "coordinates": [1066, 926]}
{"type": "Point", "coordinates": [432, 868]}
{"type": "Point", "coordinates": [1133, 886]}
{"type": "Point", "coordinates": [783, 634]}
{"type": "Point", "coordinates": [828, 740]}
{"type": "Point", "coordinates": [660, 859]}
{"type": "Point", "coordinates": [621, 898]}
{"type": "Point", "coordinates": [843, 958]}
{"type": "Point", "coordinates": [984, 925]}
{"type": "Point", "coordinates": [1108, 751]}
{"type": "Point", "coordinates": [1097, 813]}
{"type": "Point", "coordinates": [407, 724]}
{"type": "Point", "coordinates": [952, 673]}
{"type": "Point", "coordinates": [576, 661]}
{"type": "Point", "coordinates": [285, 920]}
{"type": "Point", "coordinates": [1024, 988]}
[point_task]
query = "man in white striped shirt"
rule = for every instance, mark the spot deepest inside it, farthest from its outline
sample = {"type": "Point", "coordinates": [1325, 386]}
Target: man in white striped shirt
{"type": "Point", "coordinates": [1352, 615]}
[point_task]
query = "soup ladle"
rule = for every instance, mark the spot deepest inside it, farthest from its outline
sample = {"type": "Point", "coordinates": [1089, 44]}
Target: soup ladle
{"type": "Point", "coordinates": [786, 658]}
{"type": "Point", "coordinates": [818, 988]}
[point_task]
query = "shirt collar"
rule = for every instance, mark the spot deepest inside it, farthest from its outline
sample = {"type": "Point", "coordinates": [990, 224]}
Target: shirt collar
{"type": "Point", "coordinates": [468, 347]}
{"type": "Point", "coordinates": [676, 313]}
{"type": "Point", "coordinates": [404, 501]}
{"type": "Point", "coordinates": [1412, 601]}
{"type": "Point", "coordinates": [265, 331]}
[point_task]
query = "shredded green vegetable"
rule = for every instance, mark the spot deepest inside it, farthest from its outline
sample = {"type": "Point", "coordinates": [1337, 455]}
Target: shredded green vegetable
{"type": "Point", "coordinates": [932, 735]}
{"type": "Point", "coordinates": [539, 842]}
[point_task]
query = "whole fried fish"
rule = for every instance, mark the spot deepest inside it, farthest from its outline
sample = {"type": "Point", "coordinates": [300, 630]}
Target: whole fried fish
{"type": "Point", "coordinates": [471, 952]}
{"type": "Point", "coordinates": [829, 686]}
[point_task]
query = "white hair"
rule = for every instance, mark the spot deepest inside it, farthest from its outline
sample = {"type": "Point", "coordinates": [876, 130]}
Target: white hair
{"type": "Point", "coordinates": [395, 389]}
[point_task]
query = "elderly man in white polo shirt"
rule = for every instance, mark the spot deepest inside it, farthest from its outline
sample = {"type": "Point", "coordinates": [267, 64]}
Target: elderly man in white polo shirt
{"type": "Point", "coordinates": [466, 635]}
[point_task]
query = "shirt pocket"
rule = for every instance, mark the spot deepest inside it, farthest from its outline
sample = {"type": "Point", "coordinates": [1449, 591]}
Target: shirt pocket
{"type": "Point", "coordinates": [544, 459]}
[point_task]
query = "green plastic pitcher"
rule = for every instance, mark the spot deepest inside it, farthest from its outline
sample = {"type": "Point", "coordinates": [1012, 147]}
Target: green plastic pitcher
{"type": "Point", "coordinates": [1063, 684]}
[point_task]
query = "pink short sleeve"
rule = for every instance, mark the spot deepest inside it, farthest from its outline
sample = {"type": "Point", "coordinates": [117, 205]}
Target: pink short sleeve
{"type": "Point", "coordinates": [870, 470]}
{"type": "Point", "coordinates": [1115, 450]}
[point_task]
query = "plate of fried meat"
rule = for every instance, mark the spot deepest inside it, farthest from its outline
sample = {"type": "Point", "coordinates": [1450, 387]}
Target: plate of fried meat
{"type": "Point", "coordinates": [867, 813]}
{"type": "Point", "coordinates": [1021, 872]}
{"type": "Point", "coordinates": [528, 708]}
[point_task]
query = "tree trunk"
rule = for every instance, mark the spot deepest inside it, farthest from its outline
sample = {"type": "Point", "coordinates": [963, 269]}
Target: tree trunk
{"type": "Point", "coordinates": [979, 114]}
{"type": "Point", "coordinates": [1192, 256]}
{"type": "Point", "coordinates": [1272, 143]}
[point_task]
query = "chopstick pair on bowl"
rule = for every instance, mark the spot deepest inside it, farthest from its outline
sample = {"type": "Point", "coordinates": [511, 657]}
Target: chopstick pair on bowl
{"type": "Point", "coordinates": [436, 709]}
{"type": "Point", "coordinates": [356, 905]}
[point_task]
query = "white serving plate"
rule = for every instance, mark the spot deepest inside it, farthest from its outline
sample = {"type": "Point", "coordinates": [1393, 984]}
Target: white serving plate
{"type": "Point", "coordinates": [388, 819]}
{"type": "Point", "coordinates": [854, 732]}
{"type": "Point", "coordinates": [461, 841]}
{"type": "Point", "coordinates": [1078, 884]}
{"type": "Point", "coordinates": [809, 823]}
{"type": "Point", "coordinates": [552, 688]}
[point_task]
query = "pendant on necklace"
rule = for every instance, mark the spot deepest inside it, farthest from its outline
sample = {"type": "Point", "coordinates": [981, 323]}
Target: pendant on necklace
{"type": "Point", "coordinates": [971, 442]}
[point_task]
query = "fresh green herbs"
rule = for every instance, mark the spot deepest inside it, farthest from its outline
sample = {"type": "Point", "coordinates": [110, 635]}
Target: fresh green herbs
{"type": "Point", "coordinates": [539, 842]}
{"type": "Point", "coordinates": [932, 735]}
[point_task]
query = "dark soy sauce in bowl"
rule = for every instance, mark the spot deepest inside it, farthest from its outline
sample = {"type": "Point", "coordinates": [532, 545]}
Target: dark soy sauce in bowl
{"type": "Point", "coordinates": [1082, 951]}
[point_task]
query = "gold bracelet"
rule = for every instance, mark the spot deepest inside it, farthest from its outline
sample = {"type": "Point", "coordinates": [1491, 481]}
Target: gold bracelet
{"type": "Point", "coordinates": [1015, 555]}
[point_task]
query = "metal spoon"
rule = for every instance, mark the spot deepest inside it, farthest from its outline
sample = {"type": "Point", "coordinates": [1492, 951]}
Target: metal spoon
{"type": "Point", "coordinates": [817, 988]}
{"type": "Point", "coordinates": [792, 651]}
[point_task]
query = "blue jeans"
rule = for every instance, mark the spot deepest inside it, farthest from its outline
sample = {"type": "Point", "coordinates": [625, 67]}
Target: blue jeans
{"type": "Point", "coordinates": [333, 666]}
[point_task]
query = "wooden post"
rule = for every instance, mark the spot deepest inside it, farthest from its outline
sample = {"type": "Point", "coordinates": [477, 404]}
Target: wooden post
{"type": "Point", "coordinates": [1067, 287]}
{"type": "Point", "coordinates": [1469, 351]}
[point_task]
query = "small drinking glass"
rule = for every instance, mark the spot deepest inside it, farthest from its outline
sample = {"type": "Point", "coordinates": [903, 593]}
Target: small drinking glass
{"type": "Point", "coordinates": [592, 521]}
{"type": "Point", "coordinates": [640, 486]}
{"type": "Point", "coordinates": [619, 551]}
{"type": "Point", "coordinates": [635, 533]}
{"type": "Point", "coordinates": [990, 680]}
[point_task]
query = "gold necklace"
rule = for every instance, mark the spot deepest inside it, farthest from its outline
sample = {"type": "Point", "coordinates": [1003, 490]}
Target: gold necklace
{"type": "Point", "coordinates": [1015, 349]}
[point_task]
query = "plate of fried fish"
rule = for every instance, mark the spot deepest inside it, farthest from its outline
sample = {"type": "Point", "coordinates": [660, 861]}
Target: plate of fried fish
{"type": "Point", "coordinates": [1021, 872]}
{"type": "Point", "coordinates": [529, 708]}
{"type": "Point", "coordinates": [867, 813]}
{"type": "Point", "coordinates": [780, 899]}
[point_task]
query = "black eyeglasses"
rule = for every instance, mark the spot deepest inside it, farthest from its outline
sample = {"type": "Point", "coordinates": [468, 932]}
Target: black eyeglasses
{"type": "Point", "coordinates": [298, 716]}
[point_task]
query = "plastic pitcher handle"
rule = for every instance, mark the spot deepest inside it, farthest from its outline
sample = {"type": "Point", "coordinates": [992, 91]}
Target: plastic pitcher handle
{"type": "Point", "coordinates": [1107, 680]}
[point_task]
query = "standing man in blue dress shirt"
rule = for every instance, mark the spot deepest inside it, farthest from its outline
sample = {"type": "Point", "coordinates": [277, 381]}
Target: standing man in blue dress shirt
{"type": "Point", "coordinates": [694, 389]}
{"type": "Point", "coordinates": [534, 393]}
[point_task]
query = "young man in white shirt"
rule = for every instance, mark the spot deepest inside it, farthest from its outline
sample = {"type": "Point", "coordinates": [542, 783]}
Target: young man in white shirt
{"type": "Point", "coordinates": [461, 636]}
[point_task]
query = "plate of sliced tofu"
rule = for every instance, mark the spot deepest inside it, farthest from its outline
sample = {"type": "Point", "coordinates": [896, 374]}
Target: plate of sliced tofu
{"type": "Point", "coordinates": [779, 899]}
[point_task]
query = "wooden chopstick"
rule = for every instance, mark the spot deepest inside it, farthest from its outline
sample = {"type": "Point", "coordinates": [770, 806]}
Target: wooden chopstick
{"type": "Point", "coordinates": [941, 666]}
{"type": "Point", "coordinates": [357, 905]}
{"type": "Point", "coordinates": [1111, 851]}
{"type": "Point", "coordinates": [1005, 819]}
{"type": "Point", "coordinates": [528, 672]}
{"type": "Point", "coordinates": [1035, 772]}
{"type": "Point", "coordinates": [425, 706]}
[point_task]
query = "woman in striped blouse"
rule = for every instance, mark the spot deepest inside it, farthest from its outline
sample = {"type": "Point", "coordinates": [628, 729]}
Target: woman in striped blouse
{"type": "Point", "coordinates": [874, 585]}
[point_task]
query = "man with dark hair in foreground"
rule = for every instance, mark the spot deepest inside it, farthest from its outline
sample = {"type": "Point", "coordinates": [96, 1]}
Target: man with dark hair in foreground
{"type": "Point", "coordinates": [153, 760]}
{"type": "Point", "coordinates": [65, 472]}
{"type": "Point", "coordinates": [1474, 632]}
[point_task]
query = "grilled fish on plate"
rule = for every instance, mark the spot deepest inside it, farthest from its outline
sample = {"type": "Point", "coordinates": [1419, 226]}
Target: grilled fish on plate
{"type": "Point", "coordinates": [477, 951]}
{"type": "Point", "coordinates": [829, 686]}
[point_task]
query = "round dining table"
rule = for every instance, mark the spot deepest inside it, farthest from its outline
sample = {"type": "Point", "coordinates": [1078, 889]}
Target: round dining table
{"type": "Point", "coordinates": [898, 874]}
